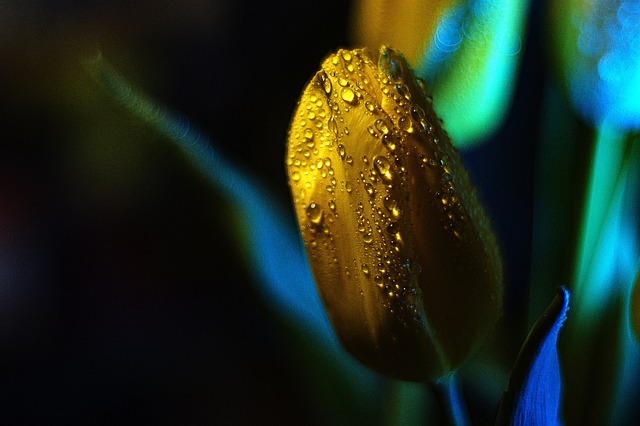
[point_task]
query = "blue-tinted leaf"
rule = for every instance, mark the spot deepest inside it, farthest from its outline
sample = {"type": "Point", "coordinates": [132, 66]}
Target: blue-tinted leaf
{"type": "Point", "coordinates": [273, 245]}
{"type": "Point", "coordinates": [271, 240]}
{"type": "Point", "coordinates": [634, 308]}
{"type": "Point", "coordinates": [533, 396]}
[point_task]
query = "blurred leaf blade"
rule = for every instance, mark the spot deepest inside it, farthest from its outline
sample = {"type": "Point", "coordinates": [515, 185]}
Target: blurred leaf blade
{"type": "Point", "coordinates": [272, 244]}
{"type": "Point", "coordinates": [635, 308]}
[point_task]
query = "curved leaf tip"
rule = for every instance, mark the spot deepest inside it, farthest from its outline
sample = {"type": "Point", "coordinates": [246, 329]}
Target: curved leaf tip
{"type": "Point", "coordinates": [533, 396]}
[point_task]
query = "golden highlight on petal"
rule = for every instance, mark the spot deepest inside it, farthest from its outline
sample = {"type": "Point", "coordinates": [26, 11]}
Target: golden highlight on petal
{"type": "Point", "coordinates": [401, 251]}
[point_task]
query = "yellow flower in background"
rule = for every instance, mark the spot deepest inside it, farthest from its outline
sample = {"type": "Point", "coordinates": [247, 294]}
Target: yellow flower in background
{"type": "Point", "coordinates": [407, 25]}
{"type": "Point", "coordinates": [403, 256]}
{"type": "Point", "coordinates": [467, 51]}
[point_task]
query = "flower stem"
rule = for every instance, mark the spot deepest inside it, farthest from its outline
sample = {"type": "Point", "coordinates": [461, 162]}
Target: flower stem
{"type": "Point", "coordinates": [454, 401]}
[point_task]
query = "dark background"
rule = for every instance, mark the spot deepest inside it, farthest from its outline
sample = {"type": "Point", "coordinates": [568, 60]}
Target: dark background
{"type": "Point", "coordinates": [123, 298]}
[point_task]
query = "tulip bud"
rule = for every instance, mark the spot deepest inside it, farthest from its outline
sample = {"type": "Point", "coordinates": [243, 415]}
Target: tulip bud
{"type": "Point", "coordinates": [402, 254]}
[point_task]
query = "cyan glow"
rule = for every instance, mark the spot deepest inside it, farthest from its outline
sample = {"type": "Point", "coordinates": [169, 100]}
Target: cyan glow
{"type": "Point", "coordinates": [471, 65]}
{"type": "Point", "coordinates": [608, 245]}
{"type": "Point", "coordinates": [603, 71]}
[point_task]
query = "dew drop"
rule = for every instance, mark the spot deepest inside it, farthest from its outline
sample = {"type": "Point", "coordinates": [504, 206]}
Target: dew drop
{"type": "Point", "coordinates": [341, 151]}
{"type": "Point", "coordinates": [308, 133]}
{"type": "Point", "coordinates": [346, 55]}
{"type": "Point", "coordinates": [348, 96]}
{"type": "Point", "coordinates": [348, 187]}
{"type": "Point", "coordinates": [365, 269]}
{"type": "Point", "coordinates": [403, 90]}
{"type": "Point", "coordinates": [391, 205]}
{"type": "Point", "coordinates": [389, 142]}
{"type": "Point", "coordinates": [315, 213]}
{"type": "Point", "coordinates": [379, 280]}
{"type": "Point", "coordinates": [417, 113]}
{"type": "Point", "coordinates": [383, 167]}
{"type": "Point", "coordinates": [393, 228]}
{"type": "Point", "coordinates": [295, 176]}
{"type": "Point", "coordinates": [333, 126]}
{"type": "Point", "coordinates": [370, 189]}
{"type": "Point", "coordinates": [382, 127]}
{"type": "Point", "coordinates": [368, 237]}
{"type": "Point", "coordinates": [369, 106]}
{"type": "Point", "coordinates": [332, 206]}
{"type": "Point", "coordinates": [405, 123]}
{"type": "Point", "coordinates": [325, 82]}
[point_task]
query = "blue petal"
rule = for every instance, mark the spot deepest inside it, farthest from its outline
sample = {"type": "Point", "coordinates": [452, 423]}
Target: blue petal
{"type": "Point", "coordinates": [535, 386]}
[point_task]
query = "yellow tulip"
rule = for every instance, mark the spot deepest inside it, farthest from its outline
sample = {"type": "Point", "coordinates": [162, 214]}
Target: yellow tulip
{"type": "Point", "coordinates": [401, 251]}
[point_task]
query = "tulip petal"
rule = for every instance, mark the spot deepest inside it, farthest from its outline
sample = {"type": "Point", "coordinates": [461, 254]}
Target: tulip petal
{"type": "Point", "coordinates": [533, 396]}
{"type": "Point", "coordinates": [403, 255]}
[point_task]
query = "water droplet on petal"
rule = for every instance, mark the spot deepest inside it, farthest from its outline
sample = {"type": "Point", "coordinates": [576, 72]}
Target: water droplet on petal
{"type": "Point", "coordinates": [333, 126]}
{"type": "Point", "coordinates": [382, 127]}
{"type": "Point", "coordinates": [405, 123]}
{"type": "Point", "coordinates": [348, 96]}
{"type": "Point", "coordinates": [383, 167]}
{"type": "Point", "coordinates": [369, 106]}
{"type": "Point", "coordinates": [393, 228]}
{"type": "Point", "coordinates": [315, 214]}
{"type": "Point", "coordinates": [391, 205]}
{"type": "Point", "coordinates": [378, 280]}
{"type": "Point", "coordinates": [370, 189]}
{"type": "Point", "coordinates": [308, 133]}
{"type": "Point", "coordinates": [325, 82]}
